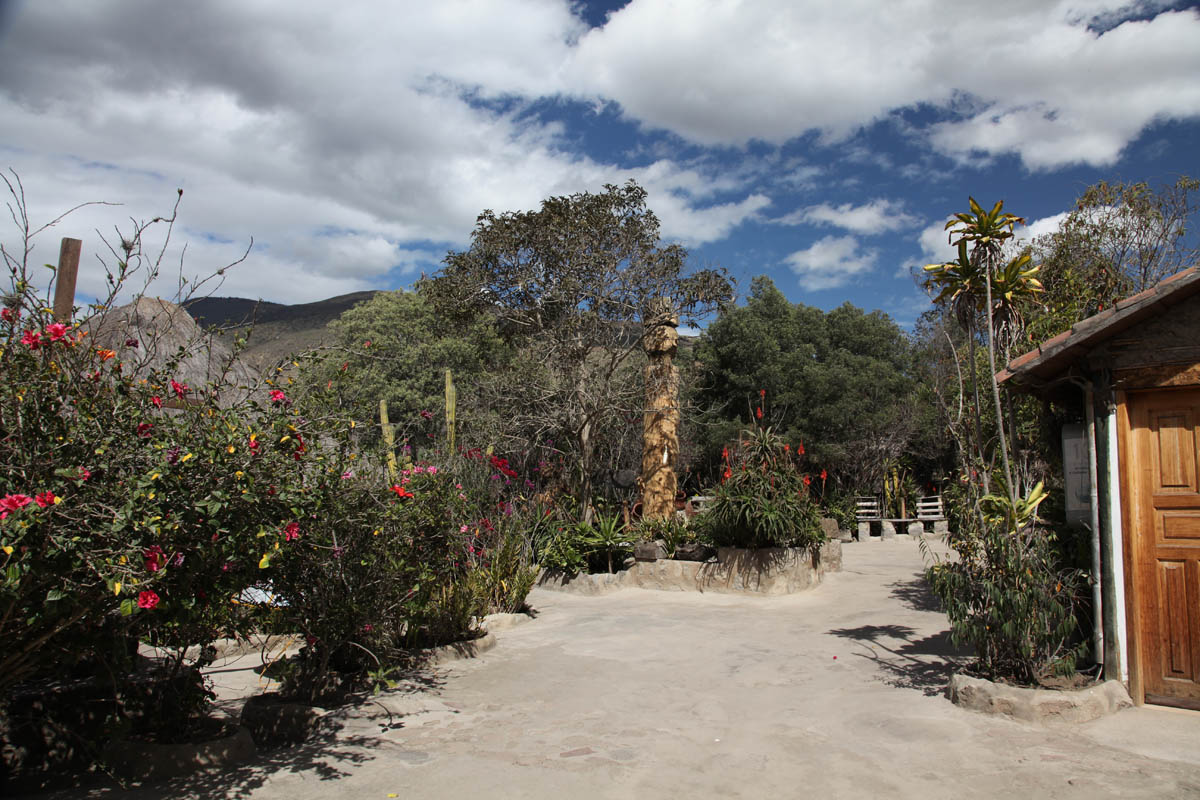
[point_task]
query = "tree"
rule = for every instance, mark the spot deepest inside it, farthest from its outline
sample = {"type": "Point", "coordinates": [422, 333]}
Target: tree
{"type": "Point", "coordinates": [1119, 239]}
{"type": "Point", "coordinates": [398, 348]}
{"type": "Point", "coordinates": [838, 382]}
{"type": "Point", "coordinates": [570, 285]}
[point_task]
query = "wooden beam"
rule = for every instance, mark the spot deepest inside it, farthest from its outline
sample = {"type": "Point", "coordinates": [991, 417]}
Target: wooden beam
{"type": "Point", "coordinates": [64, 281]}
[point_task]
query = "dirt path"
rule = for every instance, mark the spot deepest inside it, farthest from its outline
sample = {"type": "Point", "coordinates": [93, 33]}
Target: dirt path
{"type": "Point", "coordinates": [640, 694]}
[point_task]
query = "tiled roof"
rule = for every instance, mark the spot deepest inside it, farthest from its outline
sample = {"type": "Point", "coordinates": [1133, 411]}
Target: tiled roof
{"type": "Point", "coordinates": [1054, 356]}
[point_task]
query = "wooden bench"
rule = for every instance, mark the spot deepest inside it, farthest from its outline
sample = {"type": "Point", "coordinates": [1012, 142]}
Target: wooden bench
{"type": "Point", "coordinates": [929, 508]}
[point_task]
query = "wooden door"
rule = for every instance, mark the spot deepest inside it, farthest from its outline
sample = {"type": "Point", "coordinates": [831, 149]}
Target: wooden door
{"type": "Point", "coordinates": [1165, 512]}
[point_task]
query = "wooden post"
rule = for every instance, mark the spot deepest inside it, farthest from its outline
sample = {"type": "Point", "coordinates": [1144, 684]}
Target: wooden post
{"type": "Point", "coordinates": [451, 410]}
{"type": "Point", "coordinates": [660, 421]}
{"type": "Point", "coordinates": [64, 281]}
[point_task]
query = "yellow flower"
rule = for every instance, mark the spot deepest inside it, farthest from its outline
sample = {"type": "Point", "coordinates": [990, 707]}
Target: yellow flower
{"type": "Point", "coordinates": [156, 476]}
{"type": "Point", "coordinates": [284, 439]}
{"type": "Point", "coordinates": [238, 474]}
{"type": "Point", "coordinates": [186, 458]}
{"type": "Point", "coordinates": [57, 500]}
{"type": "Point", "coordinates": [123, 560]}
{"type": "Point", "coordinates": [8, 551]}
{"type": "Point", "coordinates": [150, 496]}
{"type": "Point", "coordinates": [231, 449]}
{"type": "Point", "coordinates": [375, 532]}
{"type": "Point", "coordinates": [353, 424]}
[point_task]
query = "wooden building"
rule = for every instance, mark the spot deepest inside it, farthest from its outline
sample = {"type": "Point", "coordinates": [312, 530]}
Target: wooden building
{"type": "Point", "coordinates": [1134, 371]}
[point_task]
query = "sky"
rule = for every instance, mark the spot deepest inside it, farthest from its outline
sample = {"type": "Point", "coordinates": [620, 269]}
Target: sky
{"type": "Point", "coordinates": [822, 144]}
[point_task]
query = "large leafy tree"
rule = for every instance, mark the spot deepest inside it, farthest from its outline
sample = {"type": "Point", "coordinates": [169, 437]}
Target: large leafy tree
{"type": "Point", "coordinates": [571, 285]}
{"type": "Point", "coordinates": [840, 382]}
{"type": "Point", "coordinates": [398, 349]}
{"type": "Point", "coordinates": [1119, 239]}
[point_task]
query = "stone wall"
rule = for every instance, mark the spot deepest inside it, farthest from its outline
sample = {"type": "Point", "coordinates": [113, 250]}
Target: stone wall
{"type": "Point", "coordinates": [766, 572]}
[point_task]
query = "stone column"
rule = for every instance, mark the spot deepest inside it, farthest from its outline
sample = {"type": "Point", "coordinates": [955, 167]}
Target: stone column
{"type": "Point", "coordinates": [660, 421]}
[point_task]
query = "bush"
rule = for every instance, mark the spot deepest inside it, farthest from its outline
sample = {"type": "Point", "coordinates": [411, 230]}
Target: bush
{"type": "Point", "coordinates": [764, 499]}
{"type": "Point", "coordinates": [1006, 595]}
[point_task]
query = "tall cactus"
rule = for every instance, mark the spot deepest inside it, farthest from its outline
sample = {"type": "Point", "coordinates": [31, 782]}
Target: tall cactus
{"type": "Point", "coordinates": [451, 409]}
{"type": "Point", "coordinates": [389, 440]}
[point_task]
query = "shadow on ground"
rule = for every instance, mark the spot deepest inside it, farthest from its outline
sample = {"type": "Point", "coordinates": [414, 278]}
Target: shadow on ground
{"type": "Point", "coordinates": [924, 664]}
{"type": "Point", "coordinates": [328, 755]}
{"type": "Point", "coordinates": [915, 594]}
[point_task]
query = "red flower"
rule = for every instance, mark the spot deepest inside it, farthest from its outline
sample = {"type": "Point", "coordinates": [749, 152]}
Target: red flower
{"type": "Point", "coordinates": [32, 339]}
{"type": "Point", "coordinates": [291, 532]}
{"type": "Point", "coordinates": [56, 331]}
{"type": "Point", "coordinates": [156, 401]}
{"type": "Point", "coordinates": [807, 481]}
{"type": "Point", "coordinates": [762, 393]}
{"type": "Point", "coordinates": [824, 475]}
{"type": "Point", "coordinates": [155, 558]}
{"type": "Point", "coordinates": [728, 474]}
{"type": "Point", "coordinates": [800, 449]}
{"type": "Point", "coordinates": [84, 473]}
{"type": "Point", "coordinates": [278, 397]}
{"type": "Point", "coordinates": [787, 448]}
{"type": "Point", "coordinates": [143, 429]}
{"type": "Point", "coordinates": [180, 389]}
{"type": "Point", "coordinates": [758, 412]}
{"type": "Point", "coordinates": [9, 315]}
{"type": "Point", "coordinates": [147, 599]}
{"type": "Point", "coordinates": [401, 492]}
{"type": "Point", "coordinates": [426, 414]}
{"type": "Point", "coordinates": [15, 502]}
{"type": "Point", "coordinates": [725, 454]}
{"type": "Point", "coordinates": [252, 443]}
{"type": "Point", "coordinates": [45, 499]}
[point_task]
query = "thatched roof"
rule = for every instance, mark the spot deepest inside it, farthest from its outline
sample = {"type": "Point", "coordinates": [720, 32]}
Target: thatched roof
{"type": "Point", "coordinates": [151, 334]}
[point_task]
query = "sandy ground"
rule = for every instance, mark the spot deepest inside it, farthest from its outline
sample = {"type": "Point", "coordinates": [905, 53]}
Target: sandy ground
{"type": "Point", "coordinates": [639, 694]}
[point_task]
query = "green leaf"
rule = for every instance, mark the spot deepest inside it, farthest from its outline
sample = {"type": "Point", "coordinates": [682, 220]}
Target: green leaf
{"type": "Point", "coordinates": [127, 607]}
{"type": "Point", "coordinates": [55, 594]}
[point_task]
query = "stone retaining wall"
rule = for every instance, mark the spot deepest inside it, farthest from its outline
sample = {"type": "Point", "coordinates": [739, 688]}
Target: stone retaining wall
{"type": "Point", "coordinates": [769, 571]}
{"type": "Point", "coordinates": [1038, 705]}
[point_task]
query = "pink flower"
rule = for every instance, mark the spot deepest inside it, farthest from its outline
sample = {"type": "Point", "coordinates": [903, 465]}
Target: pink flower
{"type": "Point", "coordinates": [45, 499]}
{"type": "Point", "coordinates": [432, 470]}
{"type": "Point", "coordinates": [15, 502]}
{"type": "Point", "coordinates": [56, 331]}
{"type": "Point", "coordinates": [348, 474]}
{"type": "Point", "coordinates": [462, 529]}
{"type": "Point", "coordinates": [278, 396]}
{"type": "Point", "coordinates": [156, 401]}
{"type": "Point", "coordinates": [84, 473]}
{"type": "Point", "coordinates": [155, 558]}
{"type": "Point", "coordinates": [426, 414]}
{"type": "Point", "coordinates": [32, 339]}
{"type": "Point", "coordinates": [368, 628]}
{"type": "Point", "coordinates": [291, 532]}
{"type": "Point", "coordinates": [147, 599]}
{"type": "Point", "coordinates": [9, 315]}
{"type": "Point", "coordinates": [180, 389]}
{"type": "Point", "coordinates": [143, 429]}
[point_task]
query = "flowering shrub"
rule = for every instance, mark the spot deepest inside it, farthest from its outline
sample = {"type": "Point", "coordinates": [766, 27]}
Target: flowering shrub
{"type": "Point", "coordinates": [764, 500]}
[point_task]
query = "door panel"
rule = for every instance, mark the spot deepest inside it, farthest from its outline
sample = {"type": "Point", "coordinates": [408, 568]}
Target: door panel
{"type": "Point", "coordinates": [1166, 547]}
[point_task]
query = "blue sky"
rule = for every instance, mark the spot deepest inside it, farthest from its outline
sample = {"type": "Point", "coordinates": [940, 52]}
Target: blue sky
{"type": "Point", "coordinates": [821, 144]}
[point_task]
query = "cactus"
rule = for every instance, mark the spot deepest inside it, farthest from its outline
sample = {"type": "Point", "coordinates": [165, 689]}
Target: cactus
{"type": "Point", "coordinates": [451, 409]}
{"type": "Point", "coordinates": [389, 441]}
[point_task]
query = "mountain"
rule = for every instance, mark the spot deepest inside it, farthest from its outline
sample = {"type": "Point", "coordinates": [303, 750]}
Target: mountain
{"type": "Point", "coordinates": [277, 331]}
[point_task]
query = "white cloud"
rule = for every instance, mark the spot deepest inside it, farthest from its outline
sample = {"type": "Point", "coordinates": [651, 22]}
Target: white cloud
{"type": "Point", "coordinates": [1037, 81]}
{"type": "Point", "coordinates": [873, 218]}
{"type": "Point", "coordinates": [831, 262]}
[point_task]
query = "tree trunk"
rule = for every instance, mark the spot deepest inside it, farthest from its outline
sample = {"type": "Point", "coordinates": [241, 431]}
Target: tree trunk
{"type": "Point", "coordinates": [1008, 476]}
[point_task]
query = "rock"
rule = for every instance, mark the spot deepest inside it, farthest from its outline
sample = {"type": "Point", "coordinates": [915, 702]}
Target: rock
{"type": "Point", "coordinates": [887, 530]}
{"type": "Point", "coordinates": [864, 531]}
{"type": "Point", "coordinates": [649, 551]}
{"type": "Point", "coordinates": [831, 556]}
{"type": "Point", "coordinates": [501, 621]}
{"type": "Point", "coordinates": [1038, 705]}
{"type": "Point", "coordinates": [916, 528]}
{"type": "Point", "coordinates": [941, 527]}
{"type": "Point", "coordinates": [272, 720]}
{"type": "Point", "coordinates": [694, 551]}
{"type": "Point", "coordinates": [829, 527]}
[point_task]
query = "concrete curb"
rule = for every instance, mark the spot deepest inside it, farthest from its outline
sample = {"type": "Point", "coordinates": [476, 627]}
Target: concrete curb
{"type": "Point", "coordinates": [1038, 705]}
{"type": "Point", "coordinates": [134, 760]}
